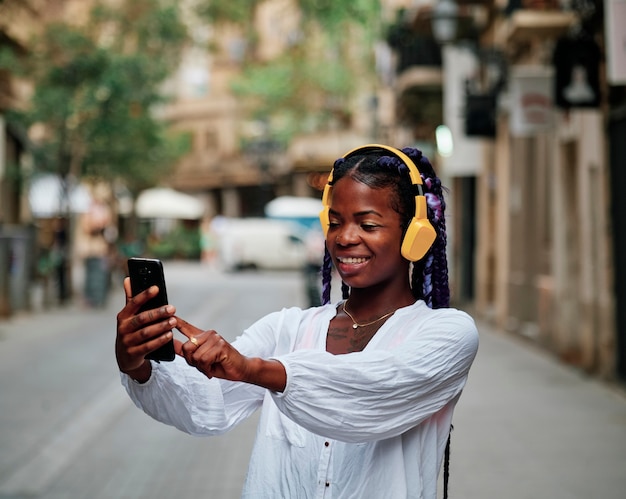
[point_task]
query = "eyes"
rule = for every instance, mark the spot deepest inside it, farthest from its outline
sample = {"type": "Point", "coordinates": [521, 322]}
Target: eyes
{"type": "Point", "coordinates": [365, 226]}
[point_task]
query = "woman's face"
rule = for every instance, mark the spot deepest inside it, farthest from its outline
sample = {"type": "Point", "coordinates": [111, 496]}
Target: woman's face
{"type": "Point", "coordinates": [365, 235]}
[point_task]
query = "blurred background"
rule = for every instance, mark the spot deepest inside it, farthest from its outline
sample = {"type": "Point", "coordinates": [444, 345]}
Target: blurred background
{"type": "Point", "coordinates": [204, 131]}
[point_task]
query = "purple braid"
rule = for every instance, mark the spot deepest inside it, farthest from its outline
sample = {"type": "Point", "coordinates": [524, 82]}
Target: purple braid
{"type": "Point", "coordinates": [345, 290]}
{"type": "Point", "coordinates": [432, 270]}
{"type": "Point", "coordinates": [327, 268]}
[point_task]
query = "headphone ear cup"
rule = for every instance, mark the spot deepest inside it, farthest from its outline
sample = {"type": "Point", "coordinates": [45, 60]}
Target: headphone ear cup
{"type": "Point", "coordinates": [419, 237]}
{"type": "Point", "coordinates": [325, 220]}
{"type": "Point", "coordinates": [324, 214]}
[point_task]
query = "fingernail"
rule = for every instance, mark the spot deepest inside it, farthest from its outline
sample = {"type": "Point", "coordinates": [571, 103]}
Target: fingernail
{"type": "Point", "coordinates": [172, 321]}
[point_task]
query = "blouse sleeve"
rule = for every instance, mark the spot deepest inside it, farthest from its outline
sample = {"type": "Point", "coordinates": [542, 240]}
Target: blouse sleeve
{"type": "Point", "coordinates": [376, 394]}
{"type": "Point", "coordinates": [181, 396]}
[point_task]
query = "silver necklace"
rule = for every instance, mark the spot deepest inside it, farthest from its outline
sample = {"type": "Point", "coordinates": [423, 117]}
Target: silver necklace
{"type": "Point", "coordinates": [356, 325]}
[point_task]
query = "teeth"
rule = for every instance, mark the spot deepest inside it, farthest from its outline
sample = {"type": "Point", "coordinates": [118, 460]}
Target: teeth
{"type": "Point", "coordinates": [352, 260]}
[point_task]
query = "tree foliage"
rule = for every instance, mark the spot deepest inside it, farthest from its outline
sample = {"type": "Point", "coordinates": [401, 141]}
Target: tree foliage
{"type": "Point", "coordinates": [96, 88]}
{"type": "Point", "coordinates": [316, 77]}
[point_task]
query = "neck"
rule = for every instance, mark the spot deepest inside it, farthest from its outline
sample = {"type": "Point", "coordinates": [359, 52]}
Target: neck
{"type": "Point", "coordinates": [364, 303]}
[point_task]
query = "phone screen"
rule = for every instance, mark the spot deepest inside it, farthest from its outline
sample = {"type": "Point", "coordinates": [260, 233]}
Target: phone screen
{"type": "Point", "coordinates": [146, 272]}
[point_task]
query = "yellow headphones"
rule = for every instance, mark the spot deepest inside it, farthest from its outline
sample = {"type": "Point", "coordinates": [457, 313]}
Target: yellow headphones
{"type": "Point", "coordinates": [420, 234]}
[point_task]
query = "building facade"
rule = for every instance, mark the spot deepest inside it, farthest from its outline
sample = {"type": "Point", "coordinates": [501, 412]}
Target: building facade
{"type": "Point", "coordinates": [537, 255]}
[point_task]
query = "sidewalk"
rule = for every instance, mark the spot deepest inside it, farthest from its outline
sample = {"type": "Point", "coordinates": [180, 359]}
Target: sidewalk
{"type": "Point", "coordinates": [528, 426]}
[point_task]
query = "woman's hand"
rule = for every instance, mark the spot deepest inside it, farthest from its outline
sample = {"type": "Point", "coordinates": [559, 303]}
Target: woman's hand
{"type": "Point", "coordinates": [140, 334]}
{"type": "Point", "coordinates": [212, 355]}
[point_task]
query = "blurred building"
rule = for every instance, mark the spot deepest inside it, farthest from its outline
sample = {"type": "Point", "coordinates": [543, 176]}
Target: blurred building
{"type": "Point", "coordinates": [17, 255]}
{"type": "Point", "coordinates": [23, 234]}
{"type": "Point", "coordinates": [537, 130]}
{"type": "Point", "coordinates": [236, 165]}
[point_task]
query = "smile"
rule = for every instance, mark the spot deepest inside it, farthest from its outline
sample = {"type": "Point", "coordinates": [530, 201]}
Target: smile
{"type": "Point", "coordinates": [352, 260]}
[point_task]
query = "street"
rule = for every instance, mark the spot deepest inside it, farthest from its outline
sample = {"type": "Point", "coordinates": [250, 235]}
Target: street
{"type": "Point", "coordinates": [526, 426]}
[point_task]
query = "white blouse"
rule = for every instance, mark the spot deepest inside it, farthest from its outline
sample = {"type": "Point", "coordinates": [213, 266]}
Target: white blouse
{"type": "Point", "coordinates": [370, 424]}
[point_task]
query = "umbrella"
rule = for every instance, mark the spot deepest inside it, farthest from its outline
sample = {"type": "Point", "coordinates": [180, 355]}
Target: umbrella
{"type": "Point", "coordinates": [292, 206]}
{"type": "Point", "coordinates": [46, 198]}
{"type": "Point", "coordinates": [162, 202]}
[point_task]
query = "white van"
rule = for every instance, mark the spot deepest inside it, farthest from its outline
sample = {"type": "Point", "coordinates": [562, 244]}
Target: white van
{"type": "Point", "coordinates": [260, 243]}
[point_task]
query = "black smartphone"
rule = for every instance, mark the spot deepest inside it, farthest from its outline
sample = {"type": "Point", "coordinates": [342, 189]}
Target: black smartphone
{"type": "Point", "coordinates": [143, 273]}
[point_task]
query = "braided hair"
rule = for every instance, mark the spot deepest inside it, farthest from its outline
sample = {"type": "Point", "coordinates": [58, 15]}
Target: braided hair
{"type": "Point", "coordinates": [378, 170]}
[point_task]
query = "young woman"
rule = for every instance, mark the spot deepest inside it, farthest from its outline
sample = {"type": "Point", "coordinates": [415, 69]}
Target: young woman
{"type": "Point", "coordinates": [357, 396]}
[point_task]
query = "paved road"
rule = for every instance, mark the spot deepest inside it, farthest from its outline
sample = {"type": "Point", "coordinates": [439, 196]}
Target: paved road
{"type": "Point", "coordinates": [526, 426]}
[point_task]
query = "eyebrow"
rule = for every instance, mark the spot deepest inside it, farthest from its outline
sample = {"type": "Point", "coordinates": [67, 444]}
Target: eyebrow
{"type": "Point", "coordinates": [358, 213]}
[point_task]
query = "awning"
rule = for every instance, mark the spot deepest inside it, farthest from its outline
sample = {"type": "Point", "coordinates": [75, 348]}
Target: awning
{"type": "Point", "coordinates": [46, 198]}
{"type": "Point", "coordinates": [162, 202]}
{"type": "Point", "coordinates": [293, 206]}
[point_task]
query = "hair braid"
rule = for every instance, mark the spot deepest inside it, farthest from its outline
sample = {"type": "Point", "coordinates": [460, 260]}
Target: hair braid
{"type": "Point", "coordinates": [430, 275]}
{"type": "Point", "coordinates": [327, 268]}
{"type": "Point", "coordinates": [345, 290]}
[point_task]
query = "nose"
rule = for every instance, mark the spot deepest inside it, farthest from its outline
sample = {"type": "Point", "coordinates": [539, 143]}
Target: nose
{"type": "Point", "coordinates": [347, 235]}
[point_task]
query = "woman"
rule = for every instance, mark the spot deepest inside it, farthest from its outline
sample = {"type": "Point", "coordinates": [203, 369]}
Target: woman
{"type": "Point", "coordinates": [357, 397]}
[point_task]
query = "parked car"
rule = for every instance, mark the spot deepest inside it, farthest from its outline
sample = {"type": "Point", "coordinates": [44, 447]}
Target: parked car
{"type": "Point", "coordinates": [260, 243]}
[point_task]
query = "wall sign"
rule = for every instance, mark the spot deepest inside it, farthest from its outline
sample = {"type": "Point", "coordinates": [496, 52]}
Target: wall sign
{"type": "Point", "coordinates": [531, 106]}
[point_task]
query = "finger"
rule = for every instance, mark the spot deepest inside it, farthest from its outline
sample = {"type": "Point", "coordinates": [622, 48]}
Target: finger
{"type": "Point", "coordinates": [187, 350]}
{"type": "Point", "coordinates": [144, 348]}
{"type": "Point", "coordinates": [142, 335]}
{"type": "Point", "coordinates": [178, 348]}
{"type": "Point", "coordinates": [127, 290]}
{"type": "Point", "coordinates": [212, 349]}
{"type": "Point", "coordinates": [140, 298]}
{"type": "Point", "coordinates": [129, 324]}
{"type": "Point", "coordinates": [189, 330]}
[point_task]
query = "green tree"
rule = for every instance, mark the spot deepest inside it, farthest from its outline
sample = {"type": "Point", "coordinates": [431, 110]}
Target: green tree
{"type": "Point", "coordinates": [317, 77]}
{"type": "Point", "coordinates": [95, 90]}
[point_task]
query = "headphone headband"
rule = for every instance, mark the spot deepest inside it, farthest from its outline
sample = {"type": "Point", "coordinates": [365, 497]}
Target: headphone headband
{"type": "Point", "coordinates": [414, 173]}
{"type": "Point", "coordinates": [413, 247]}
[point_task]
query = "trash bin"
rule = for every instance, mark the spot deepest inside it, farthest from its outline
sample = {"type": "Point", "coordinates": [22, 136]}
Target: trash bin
{"type": "Point", "coordinates": [16, 264]}
{"type": "Point", "coordinates": [96, 280]}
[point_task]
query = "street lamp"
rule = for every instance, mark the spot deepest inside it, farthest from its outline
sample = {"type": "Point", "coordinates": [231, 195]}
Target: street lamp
{"type": "Point", "coordinates": [444, 21]}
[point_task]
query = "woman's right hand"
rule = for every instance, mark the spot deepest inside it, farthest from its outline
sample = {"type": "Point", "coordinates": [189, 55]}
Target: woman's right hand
{"type": "Point", "coordinates": [138, 334]}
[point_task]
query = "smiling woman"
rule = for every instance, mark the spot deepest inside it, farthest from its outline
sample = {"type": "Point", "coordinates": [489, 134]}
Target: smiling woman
{"type": "Point", "coordinates": [356, 395]}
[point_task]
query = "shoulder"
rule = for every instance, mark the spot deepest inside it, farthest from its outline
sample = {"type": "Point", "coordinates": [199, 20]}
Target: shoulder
{"type": "Point", "coordinates": [295, 315]}
{"type": "Point", "coordinates": [419, 312]}
{"type": "Point", "coordinates": [451, 323]}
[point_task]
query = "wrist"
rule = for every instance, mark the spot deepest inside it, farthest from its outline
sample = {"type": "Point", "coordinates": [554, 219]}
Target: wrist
{"type": "Point", "coordinates": [140, 374]}
{"type": "Point", "coordinates": [269, 374]}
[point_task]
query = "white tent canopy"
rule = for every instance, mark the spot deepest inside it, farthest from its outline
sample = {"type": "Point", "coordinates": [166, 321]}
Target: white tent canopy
{"type": "Point", "coordinates": [46, 199]}
{"type": "Point", "coordinates": [162, 202]}
{"type": "Point", "coordinates": [292, 206]}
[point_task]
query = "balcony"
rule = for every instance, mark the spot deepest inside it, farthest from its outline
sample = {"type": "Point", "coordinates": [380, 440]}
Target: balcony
{"type": "Point", "coordinates": [526, 25]}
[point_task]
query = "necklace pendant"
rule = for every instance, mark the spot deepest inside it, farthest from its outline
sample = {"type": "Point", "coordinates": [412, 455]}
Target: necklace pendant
{"type": "Point", "coordinates": [354, 326]}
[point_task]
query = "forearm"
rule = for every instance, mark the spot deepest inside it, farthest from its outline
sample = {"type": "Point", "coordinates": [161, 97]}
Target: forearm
{"type": "Point", "coordinates": [269, 374]}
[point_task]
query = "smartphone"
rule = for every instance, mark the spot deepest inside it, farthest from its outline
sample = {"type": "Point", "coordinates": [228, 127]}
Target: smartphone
{"type": "Point", "coordinates": [143, 273]}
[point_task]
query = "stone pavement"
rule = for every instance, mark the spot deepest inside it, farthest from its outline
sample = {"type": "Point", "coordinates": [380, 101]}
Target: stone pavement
{"type": "Point", "coordinates": [526, 427]}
